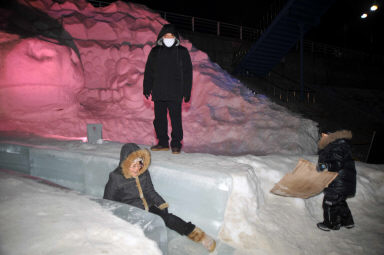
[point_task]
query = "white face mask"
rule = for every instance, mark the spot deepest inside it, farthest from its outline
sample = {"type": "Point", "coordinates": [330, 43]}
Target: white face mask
{"type": "Point", "coordinates": [169, 41]}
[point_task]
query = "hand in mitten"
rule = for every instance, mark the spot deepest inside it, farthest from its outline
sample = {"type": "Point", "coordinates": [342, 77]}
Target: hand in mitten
{"type": "Point", "coordinates": [321, 166]}
{"type": "Point", "coordinates": [147, 94]}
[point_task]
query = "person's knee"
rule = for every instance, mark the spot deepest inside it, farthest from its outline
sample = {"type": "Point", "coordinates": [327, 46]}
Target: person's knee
{"type": "Point", "coordinates": [333, 199]}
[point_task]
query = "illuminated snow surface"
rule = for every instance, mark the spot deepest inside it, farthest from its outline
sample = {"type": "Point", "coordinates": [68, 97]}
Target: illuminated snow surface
{"type": "Point", "coordinates": [94, 74]}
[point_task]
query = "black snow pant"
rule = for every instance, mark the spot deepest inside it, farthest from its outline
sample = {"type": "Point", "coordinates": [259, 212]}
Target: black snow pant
{"type": "Point", "coordinates": [161, 122]}
{"type": "Point", "coordinates": [336, 211]}
{"type": "Point", "coordinates": [173, 222]}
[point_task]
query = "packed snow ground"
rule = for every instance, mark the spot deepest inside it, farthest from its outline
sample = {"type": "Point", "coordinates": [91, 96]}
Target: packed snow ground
{"type": "Point", "coordinates": [36, 218]}
{"type": "Point", "coordinates": [256, 221]}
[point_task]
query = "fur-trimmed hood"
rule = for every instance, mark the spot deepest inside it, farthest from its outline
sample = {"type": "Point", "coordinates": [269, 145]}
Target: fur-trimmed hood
{"type": "Point", "coordinates": [331, 137]}
{"type": "Point", "coordinates": [128, 154]}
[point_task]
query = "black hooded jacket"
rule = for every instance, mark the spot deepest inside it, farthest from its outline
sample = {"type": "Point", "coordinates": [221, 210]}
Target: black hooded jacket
{"type": "Point", "coordinates": [168, 71]}
{"type": "Point", "coordinates": [336, 156]}
{"type": "Point", "coordinates": [137, 191]}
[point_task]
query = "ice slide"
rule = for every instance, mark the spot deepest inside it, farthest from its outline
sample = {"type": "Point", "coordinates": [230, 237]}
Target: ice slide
{"type": "Point", "coordinates": [195, 192]}
{"type": "Point", "coordinates": [80, 221]}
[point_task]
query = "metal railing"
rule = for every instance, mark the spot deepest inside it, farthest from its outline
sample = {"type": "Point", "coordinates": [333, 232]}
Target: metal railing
{"type": "Point", "coordinates": [208, 26]}
{"type": "Point", "coordinates": [294, 95]}
{"type": "Point", "coordinates": [291, 94]}
{"type": "Point", "coordinates": [340, 52]}
{"type": "Point", "coordinates": [213, 27]}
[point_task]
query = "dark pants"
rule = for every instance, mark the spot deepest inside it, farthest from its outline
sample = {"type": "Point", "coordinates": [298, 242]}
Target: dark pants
{"type": "Point", "coordinates": [173, 222]}
{"type": "Point", "coordinates": [161, 122]}
{"type": "Point", "coordinates": [336, 211]}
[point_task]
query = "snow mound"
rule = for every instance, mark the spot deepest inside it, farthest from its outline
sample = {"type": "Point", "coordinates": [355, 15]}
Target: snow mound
{"type": "Point", "coordinates": [66, 64]}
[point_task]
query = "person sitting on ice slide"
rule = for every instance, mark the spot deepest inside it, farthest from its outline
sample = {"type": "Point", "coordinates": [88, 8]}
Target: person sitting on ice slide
{"type": "Point", "coordinates": [335, 155]}
{"type": "Point", "coordinates": [131, 183]}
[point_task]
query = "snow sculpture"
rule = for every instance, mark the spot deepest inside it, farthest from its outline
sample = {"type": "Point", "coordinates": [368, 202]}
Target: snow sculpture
{"type": "Point", "coordinates": [77, 64]}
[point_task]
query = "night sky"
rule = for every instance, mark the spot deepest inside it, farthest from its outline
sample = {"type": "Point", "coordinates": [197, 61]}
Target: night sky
{"type": "Point", "coordinates": [340, 26]}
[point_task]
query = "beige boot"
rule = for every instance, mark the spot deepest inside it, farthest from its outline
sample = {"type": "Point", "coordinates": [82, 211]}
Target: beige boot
{"type": "Point", "coordinates": [199, 236]}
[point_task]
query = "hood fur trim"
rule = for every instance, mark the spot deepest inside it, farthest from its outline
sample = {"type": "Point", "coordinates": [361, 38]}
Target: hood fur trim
{"type": "Point", "coordinates": [144, 154]}
{"type": "Point", "coordinates": [342, 134]}
{"type": "Point", "coordinates": [163, 206]}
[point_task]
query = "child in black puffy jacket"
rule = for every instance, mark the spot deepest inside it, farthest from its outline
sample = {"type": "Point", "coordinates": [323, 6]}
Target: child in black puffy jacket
{"type": "Point", "coordinates": [335, 155]}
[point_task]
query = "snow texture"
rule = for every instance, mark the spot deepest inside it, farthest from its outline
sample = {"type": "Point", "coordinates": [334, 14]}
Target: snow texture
{"type": "Point", "coordinates": [41, 219]}
{"type": "Point", "coordinates": [255, 221]}
{"type": "Point", "coordinates": [86, 65]}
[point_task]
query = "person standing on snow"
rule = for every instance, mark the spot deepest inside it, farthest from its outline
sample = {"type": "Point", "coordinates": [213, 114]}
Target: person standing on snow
{"type": "Point", "coordinates": [168, 78]}
{"type": "Point", "coordinates": [131, 183]}
{"type": "Point", "coordinates": [336, 156]}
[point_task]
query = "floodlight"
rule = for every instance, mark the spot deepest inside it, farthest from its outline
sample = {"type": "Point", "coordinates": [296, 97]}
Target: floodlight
{"type": "Point", "coordinates": [364, 15]}
{"type": "Point", "coordinates": [374, 7]}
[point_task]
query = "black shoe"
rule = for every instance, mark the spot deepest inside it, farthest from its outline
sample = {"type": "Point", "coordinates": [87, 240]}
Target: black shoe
{"type": "Point", "coordinates": [176, 150]}
{"type": "Point", "coordinates": [349, 226]}
{"type": "Point", "coordinates": [325, 227]}
{"type": "Point", "coordinates": [159, 148]}
{"type": "Point", "coordinates": [322, 226]}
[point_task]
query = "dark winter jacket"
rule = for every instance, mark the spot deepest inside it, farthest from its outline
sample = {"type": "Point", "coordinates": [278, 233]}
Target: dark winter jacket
{"type": "Point", "coordinates": [137, 191]}
{"type": "Point", "coordinates": [336, 156]}
{"type": "Point", "coordinates": [168, 71]}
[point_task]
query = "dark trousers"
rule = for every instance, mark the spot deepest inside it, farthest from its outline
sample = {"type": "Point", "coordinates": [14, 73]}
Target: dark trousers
{"type": "Point", "coordinates": [336, 211]}
{"type": "Point", "coordinates": [173, 222]}
{"type": "Point", "coordinates": [161, 122]}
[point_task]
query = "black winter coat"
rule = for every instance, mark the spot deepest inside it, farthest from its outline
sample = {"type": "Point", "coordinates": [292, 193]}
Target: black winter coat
{"type": "Point", "coordinates": [137, 191]}
{"type": "Point", "coordinates": [336, 156]}
{"type": "Point", "coordinates": [168, 71]}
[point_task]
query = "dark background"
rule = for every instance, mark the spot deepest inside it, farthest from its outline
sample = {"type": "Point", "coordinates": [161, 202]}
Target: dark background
{"type": "Point", "coordinates": [340, 26]}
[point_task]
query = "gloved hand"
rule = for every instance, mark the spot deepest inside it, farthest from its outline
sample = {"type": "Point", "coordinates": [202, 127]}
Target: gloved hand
{"type": "Point", "coordinates": [187, 98]}
{"type": "Point", "coordinates": [321, 166]}
{"type": "Point", "coordinates": [165, 210]}
{"type": "Point", "coordinates": [147, 94]}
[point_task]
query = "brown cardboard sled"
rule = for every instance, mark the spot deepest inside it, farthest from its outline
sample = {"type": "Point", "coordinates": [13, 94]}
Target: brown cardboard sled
{"type": "Point", "coordinates": [304, 181]}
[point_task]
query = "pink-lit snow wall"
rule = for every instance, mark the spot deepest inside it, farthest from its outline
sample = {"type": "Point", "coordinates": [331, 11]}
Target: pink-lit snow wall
{"type": "Point", "coordinates": [92, 71]}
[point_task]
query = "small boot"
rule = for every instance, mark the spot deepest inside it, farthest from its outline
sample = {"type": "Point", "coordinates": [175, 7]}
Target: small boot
{"type": "Point", "coordinates": [348, 223]}
{"type": "Point", "coordinates": [159, 147]}
{"type": "Point", "coordinates": [346, 216]}
{"type": "Point", "coordinates": [199, 236]}
{"type": "Point", "coordinates": [176, 150]}
{"type": "Point", "coordinates": [326, 227]}
{"type": "Point", "coordinates": [331, 213]}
